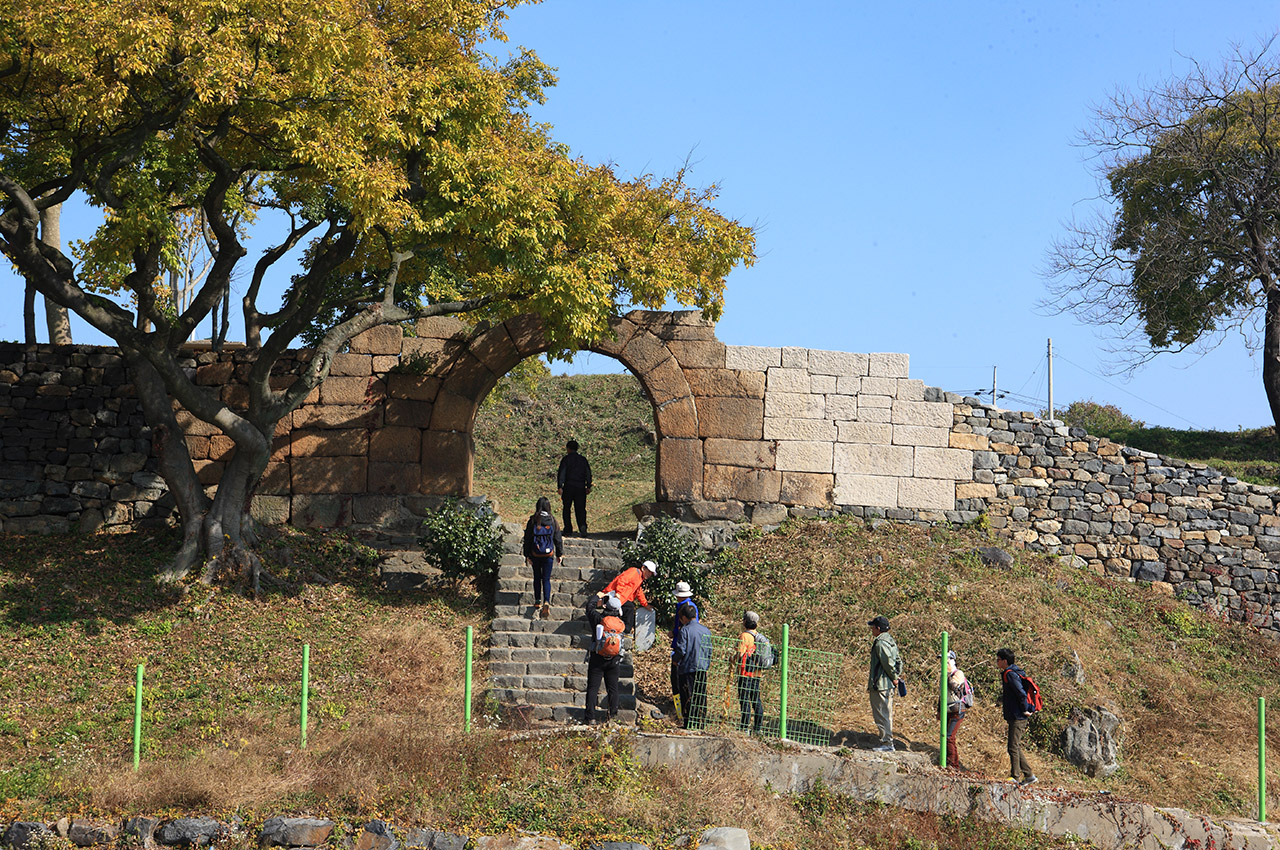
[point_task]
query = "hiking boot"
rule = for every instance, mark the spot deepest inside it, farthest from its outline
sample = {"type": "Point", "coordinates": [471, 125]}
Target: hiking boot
{"type": "Point", "coordinates": [545, 613]}
{"type": "Point", "coordinates": [1030, 779]}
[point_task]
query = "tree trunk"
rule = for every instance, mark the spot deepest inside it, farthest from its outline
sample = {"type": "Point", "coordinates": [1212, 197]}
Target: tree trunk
{"type": "Point", "coordinates": [56, 316]}
{"type": "Point", "coordinates": [29, 314]}
{"type": "Point", "coordinates": [1271, 356]}
{"type": "Point", "coordinates": [216, 534]}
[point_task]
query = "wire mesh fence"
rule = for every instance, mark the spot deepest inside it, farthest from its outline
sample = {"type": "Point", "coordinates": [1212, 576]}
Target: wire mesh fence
{"type": "Point", "coordinates": [733, 697]}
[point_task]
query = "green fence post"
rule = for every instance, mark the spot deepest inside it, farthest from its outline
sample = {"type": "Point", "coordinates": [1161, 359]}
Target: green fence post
{"type": "Point", "coordinates": [306, 688]}
{"type": "Point", "coordinates": [137, 719]}
{"type": "Point", "coordinates": [1262, 758]}
{"type": "Point", "coordinates": [466, 691]}
{"type": "Point", "coordinates": [786, 669]}
{"type": "Point", "coordinates": [942, 707]}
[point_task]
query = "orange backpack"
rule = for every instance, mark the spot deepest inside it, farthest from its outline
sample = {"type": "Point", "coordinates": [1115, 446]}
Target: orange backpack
{"type": "Point", "coordinates": [610, 643]}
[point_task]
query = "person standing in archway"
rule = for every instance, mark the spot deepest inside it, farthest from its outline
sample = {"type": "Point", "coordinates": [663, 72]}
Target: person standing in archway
{"type": "Point", "coordinates": [573, 482]}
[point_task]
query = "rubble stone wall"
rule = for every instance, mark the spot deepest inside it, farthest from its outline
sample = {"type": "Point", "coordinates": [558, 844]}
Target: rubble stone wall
{"type": "Point", "coordinates": [744, 433]}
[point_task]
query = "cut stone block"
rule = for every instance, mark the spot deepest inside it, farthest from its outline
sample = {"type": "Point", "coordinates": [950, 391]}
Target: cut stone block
{"type": "Point", "coordinates": [753, 357]}
{"type": "Point", "coordinates": [838, 363]}
{"type": "Point", "coordinates": [799, 429]}
{"type": "Point", "coordinates": [889, 365]}
{"type": "Point", "coordinates": [804, 456]}
{"type": "Point", "coordinates": [782, 380]}
{"type": "Point", "coordinates": [936, 413]}
{"type": "Point", "coordinates": [921, 435]}
{"type": "Point", "coordinates": [953, 464]}
{"type": "Point", "coordinates": [927, 494]}
{"type": "Point", "coordinates": [865, 432]}
{"type": "Point", "coordinates": [841, 407]}
{"type": "Point", "coordinates": [731, 418]}
{"type": "Point", "coordinates": [806, 488]}
{"type": "Point", "coordinates": [867, 490]}
{"type": "Point", "coordinates": [722, 483]}
{"type": "Point", "coordinates": [870, 459]}
{"type": "Point", "coordinates": [758, 454]}
{"type": "Point", "coordinates": [706, 383]}
{"type": "Point", "coordinates": [794, 406]}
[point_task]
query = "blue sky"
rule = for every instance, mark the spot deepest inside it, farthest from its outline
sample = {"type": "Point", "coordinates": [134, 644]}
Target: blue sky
{"type": "Point", "coordinates": [908, 167]}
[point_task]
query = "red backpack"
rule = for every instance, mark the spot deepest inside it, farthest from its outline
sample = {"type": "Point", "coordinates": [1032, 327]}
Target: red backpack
{"type": "Point", "coordinates": [1034, 700]}
{"type": "Point", "coordinates": [610, 643]}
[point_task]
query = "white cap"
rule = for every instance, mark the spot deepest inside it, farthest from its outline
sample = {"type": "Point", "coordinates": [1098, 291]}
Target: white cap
{"type": "Point", "coordinates": [651, 567]}
{"type": "Point", "coordinates": [683, 591]}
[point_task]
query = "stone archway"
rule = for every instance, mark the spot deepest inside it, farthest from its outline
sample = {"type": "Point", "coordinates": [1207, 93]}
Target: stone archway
{"type": "Point", "coordinates": [469, 364]}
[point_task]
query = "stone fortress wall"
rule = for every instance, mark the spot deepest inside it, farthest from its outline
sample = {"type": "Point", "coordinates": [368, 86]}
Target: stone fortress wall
{"type": "Point", "coordinates": [744, 434]}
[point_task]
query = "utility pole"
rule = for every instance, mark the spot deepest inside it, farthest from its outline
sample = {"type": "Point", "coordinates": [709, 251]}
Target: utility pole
{"type": "Point", "coordinates": [993, 387]}
{"type": "Point", "coordinates": [1051, 378]}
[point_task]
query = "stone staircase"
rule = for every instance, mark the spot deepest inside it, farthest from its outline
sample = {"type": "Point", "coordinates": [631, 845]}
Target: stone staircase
{"type": "Point", "coordinates": [540, 666]}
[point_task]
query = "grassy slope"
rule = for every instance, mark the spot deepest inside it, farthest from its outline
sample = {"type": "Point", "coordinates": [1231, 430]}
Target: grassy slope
{"type": "Point", "coordinates": [520, 437]}
{"type": "Point", "coordinates": [221, 714]}
{"type": "Point", "coordinates": [77, 614]}
{"type": "Point", "coordinates": [1251, 455]}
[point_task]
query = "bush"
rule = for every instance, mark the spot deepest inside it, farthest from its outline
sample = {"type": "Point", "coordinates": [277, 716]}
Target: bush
{"type": "Point", "coordinates": [462, 541]}
{"type": "Point", "coordinates": [1098, 419]}
{"type": "Point", "coordinates": [679, 558]}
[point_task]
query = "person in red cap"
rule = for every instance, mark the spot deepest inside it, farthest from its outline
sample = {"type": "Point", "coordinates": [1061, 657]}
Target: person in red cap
{"type": "Point", "coordinates": [626, 585]}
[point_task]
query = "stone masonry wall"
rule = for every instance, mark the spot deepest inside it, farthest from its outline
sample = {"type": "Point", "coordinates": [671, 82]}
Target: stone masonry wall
{"type": "Point", "coordinates": [745, 433]}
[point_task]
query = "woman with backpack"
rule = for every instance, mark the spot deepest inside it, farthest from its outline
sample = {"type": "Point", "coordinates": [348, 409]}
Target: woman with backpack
{"type": "Point", "coordinates": [959, 701]}
{"type": "Point", "coordinates": [543, 544]}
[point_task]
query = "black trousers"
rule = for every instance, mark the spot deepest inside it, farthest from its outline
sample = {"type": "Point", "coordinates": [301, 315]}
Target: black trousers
{"type": "Point", "coordinates": [749, 699]}
{"type": "Point", "coordinates": [575, 502]}
{"type": "Point", "coordinates": [629, 616]}
{"type": "Point", "coordinates": [598, 668]}
{"type": "Point", "coordinates": [693, 695]}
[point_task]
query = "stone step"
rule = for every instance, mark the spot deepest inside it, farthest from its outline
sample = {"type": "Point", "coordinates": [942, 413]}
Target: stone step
{"type": "Point", "coordinates": [559, 573]}
{"type": "Point", "coordinates": [507, 667]}
{"type": "Point", "coordinates": [575, 699]}
{"type": "Point", "coordinates": [572, 714]}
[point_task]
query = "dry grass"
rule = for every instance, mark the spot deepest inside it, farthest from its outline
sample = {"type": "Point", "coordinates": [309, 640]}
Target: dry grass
{"type": "Point", "coordinates": [1185, 683]}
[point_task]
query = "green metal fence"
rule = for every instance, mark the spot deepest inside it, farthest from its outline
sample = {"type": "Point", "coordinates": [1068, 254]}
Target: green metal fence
{"type": "Point", "coordinates": [813, 684]}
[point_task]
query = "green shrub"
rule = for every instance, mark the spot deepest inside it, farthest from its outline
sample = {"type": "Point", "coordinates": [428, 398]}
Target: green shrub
{"type": "Point", "coordinates": [462, 541]}
{"type": "Point", "coordinates": [1098, 419]}
{"type": "Point", "coordinates": [679, 558]}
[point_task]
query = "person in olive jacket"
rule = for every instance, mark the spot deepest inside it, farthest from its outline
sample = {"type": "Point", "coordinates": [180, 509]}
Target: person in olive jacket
{"type": "Point", "coordinates": [885, 675]}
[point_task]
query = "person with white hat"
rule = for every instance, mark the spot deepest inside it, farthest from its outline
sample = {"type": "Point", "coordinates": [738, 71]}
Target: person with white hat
{"type": "Point", "coordinates": [626, 585]}
{"type": "Point", "coordinates": [683, 595]}
{"type": "Point", "coordinates": [603, 659]}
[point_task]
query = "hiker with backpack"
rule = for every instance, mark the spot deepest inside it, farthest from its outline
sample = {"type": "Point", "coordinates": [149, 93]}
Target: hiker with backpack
{"type": "Point", "coordinates": [1019, 699]}
{"type": "Point", "coordinates": [959, 701]}
{"type": "Point", "coordinates": [626, 585]}
{"type": "Point", "coordinates": [543, 545]}
{"type": "Point", "coordinates": [754, 654]}
{"type": "Point", "coordinates": [885, 675]}
{"type": "Point", "coordinates": [604, 615]}
{"type": "Point", "coordinates": [683, 595]}
{"type": "Point", "coordinates": [695, 661]}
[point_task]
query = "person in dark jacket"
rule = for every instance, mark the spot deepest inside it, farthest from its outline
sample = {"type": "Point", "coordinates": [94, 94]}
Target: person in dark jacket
{"type": "Point", "coordinates": [1013, 704]}
{"type": "Point", "coordinates": [695, 660]}
{"type": "Point", "coordinates": [683, 596]}
{"type": "Point", "coordinates": [573, 482]}
{"type": "Point", "coordinates": [601, 667]}
{"type": "Point", "coordinates": [541, 533]}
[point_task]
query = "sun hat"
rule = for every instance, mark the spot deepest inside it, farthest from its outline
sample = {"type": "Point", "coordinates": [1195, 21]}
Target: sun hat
{"type": "Point", "coordinates": [951, 655]}
{"type": "Point", "coordinates": [683, 591]}
{"type": "Point", "coordinates": [651, 567]}
{"type": "Point", "coordinates": [613, 603]}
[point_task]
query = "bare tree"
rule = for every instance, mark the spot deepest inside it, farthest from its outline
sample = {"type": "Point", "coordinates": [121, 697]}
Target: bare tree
{"type": "Point", "coordinates": [1186, 255]}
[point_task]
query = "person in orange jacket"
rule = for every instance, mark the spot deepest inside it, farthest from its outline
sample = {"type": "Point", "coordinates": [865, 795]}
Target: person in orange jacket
{"type": "Point", "coordinates": [626, 585]}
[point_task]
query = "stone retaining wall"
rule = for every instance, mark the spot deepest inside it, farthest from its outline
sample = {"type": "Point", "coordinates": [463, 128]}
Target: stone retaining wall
{"type": "Point", "coordinates": [744, 433]}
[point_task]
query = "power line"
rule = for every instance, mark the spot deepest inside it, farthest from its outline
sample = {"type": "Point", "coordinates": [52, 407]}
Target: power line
{"type": "Point", "coordinates": [1127, 392]}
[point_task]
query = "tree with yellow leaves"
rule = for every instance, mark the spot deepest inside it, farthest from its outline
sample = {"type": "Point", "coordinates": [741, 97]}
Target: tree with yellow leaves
{"type": "Point", "coordinates": [414, 181]}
